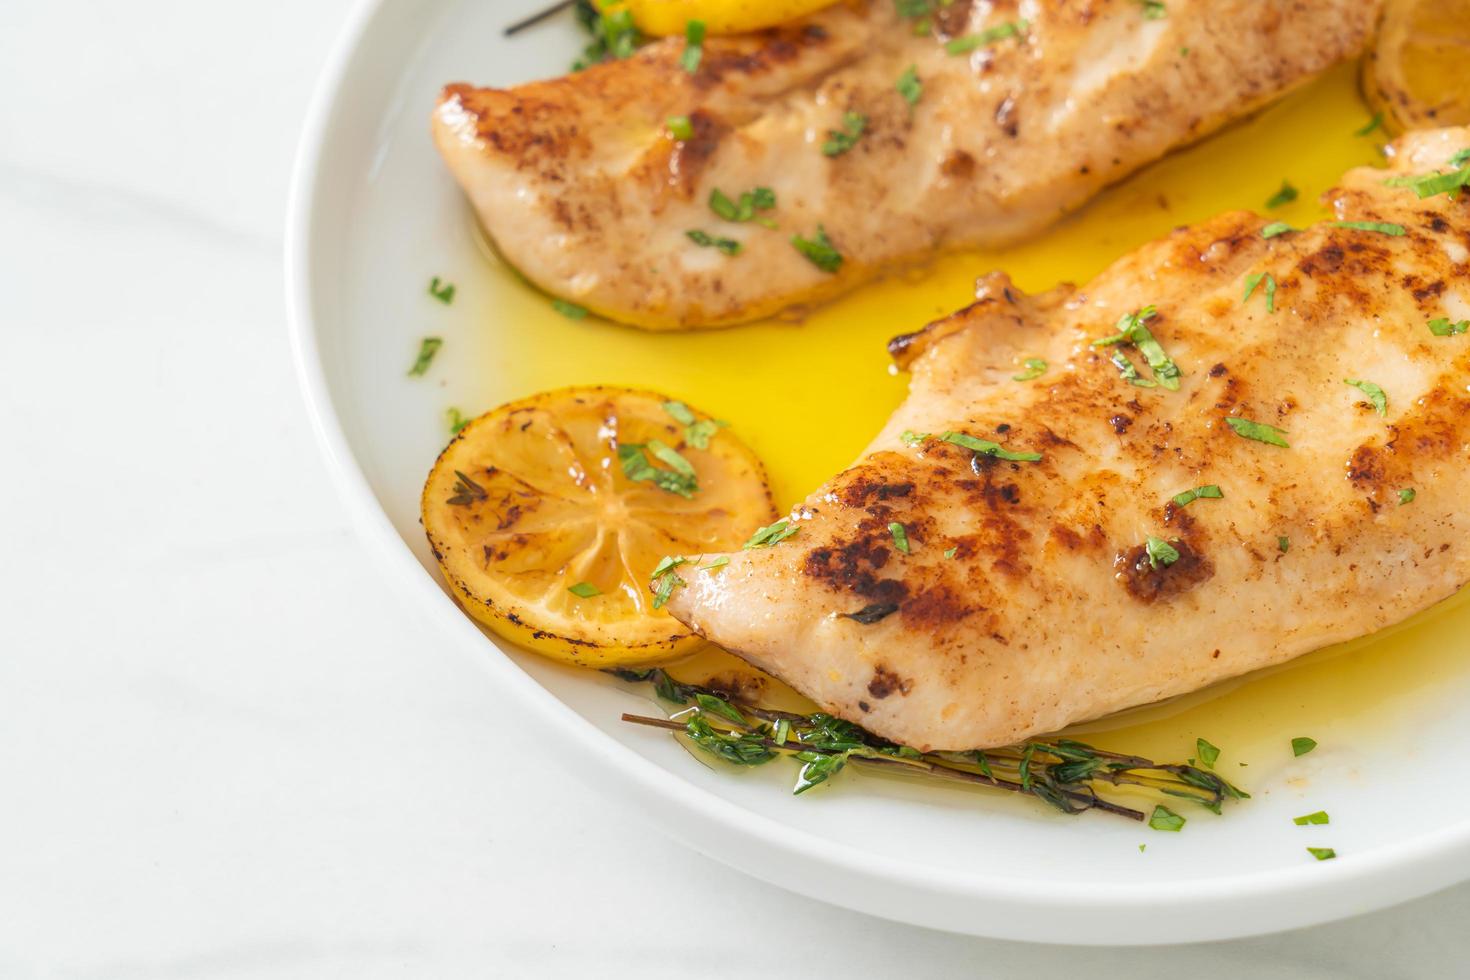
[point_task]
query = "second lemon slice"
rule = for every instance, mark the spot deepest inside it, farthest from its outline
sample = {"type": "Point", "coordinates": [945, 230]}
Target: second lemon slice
{"type": "Point", "coordinates": [664, 17]}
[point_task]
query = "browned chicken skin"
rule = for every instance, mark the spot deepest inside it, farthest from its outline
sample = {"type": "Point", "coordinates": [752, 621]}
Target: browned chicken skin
{"type": "Point", "coordinates": [1027, 599]}
{"type": "Point", "coordinates": [582, 187]}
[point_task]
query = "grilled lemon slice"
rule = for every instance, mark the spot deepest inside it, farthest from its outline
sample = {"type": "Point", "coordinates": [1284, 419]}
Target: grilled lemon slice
{"type": "Point", "coordinates": [549, 515]}
{"type": "Point", "coordinates": [1418, 73]}
{"type": "Point", "coordinates": [664, 17]}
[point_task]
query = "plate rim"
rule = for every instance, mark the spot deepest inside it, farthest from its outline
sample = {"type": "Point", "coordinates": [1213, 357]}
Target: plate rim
{"type": "Point", "coordinates": [994, 906]}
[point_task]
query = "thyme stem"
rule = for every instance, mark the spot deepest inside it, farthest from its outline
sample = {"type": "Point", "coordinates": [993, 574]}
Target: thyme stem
{"type": "Point", "coordinates": [1060, 772]}
{"type": "Point", "coordinates": [539, 16]}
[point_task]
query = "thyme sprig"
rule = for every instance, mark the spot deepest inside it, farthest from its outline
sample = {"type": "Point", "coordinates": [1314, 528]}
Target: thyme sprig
{"type": "Point", "coordinates": [1066, 775]}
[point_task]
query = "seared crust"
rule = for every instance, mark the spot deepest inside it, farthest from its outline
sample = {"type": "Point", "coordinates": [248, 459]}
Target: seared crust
{"type": "Point", "coordinates": [580, 185]}
{"type": "Point", "coordinates": [1048, 611]}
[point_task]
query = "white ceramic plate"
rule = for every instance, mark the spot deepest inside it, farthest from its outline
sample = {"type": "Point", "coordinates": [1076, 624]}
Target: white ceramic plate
{"type": "Point", "coordinates": [374, 214]}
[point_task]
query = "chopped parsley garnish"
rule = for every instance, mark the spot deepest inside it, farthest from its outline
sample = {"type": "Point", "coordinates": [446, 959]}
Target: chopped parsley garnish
{"type": "Point", "coordinates": [1373, 124]}
{"type": "Point", "coordinates": [665, 580]}
{"type": "Point", "coordinates": [900, 537]}
{"type": "Point", "coordinates": [428, 347]}
{"type": "Point", "coordinates": [1154, 9]}
{"type": "Point", "coordinates": [840, 141]}
{"type": "Point", "coordinates": [680, 412]}
{"type": "Point", "coordinates": [584, 590]}
{"type": "Point", "coordinates": [1461, 158]}
{"type": "Point", "coordinates": [969, 42]}
{"type": "Point", "coordinates": [1276, 228]}
{"type": "Point", "coordinates": [569, 310]}
{"type": "Point", "coordinates": [715, 565]}
{"type": "Point", "coordinates": [918, 11]}
{"type": "Point", "coordinates": [1132, 329]}
{"type": "Point", "coordinates": [442, 291]}
{"type": "Point", "coordinates": [1319, 818]}
{"type": "Point", "coordinates": [1208, 492]}
{"type": "Point", "coordinates": [1252, 282]}
{"type": "Point", "coordinates": [909, 86]}
{"type": "Point", "coordinates": [818, 250]}
{"type": "Point", "coordinates": [1322, 853]}
{"type": "Point", "coordinates": [1161, 554]}
{"type": "Point", "coordinates": [1382, 227]}
{"type": "Point", "coordinates": [693, 46]}
{"type": "Point", "coordinates": [1259, 431]}
{"type": "Point", "coordinates": [1207, 753]}
{"type": "Point", "coordinates": [1166, 819]}
{"type": "Point", "coordinates": [1375, 394]}
{"type": "Point", "coordinates": [1407, 495]}
{"type": "Point", "coordinates": [614, 35]}
{"type": "Point", "coordinates": [987, 448]}
{"type": "Point", "coordinates": [457, 422]}
{"type": "Point", "coordinates": [1286, 195]}
{"type": "Point", "coordinates": [760, 199]}
{"type": "Point", "coordinates": [678, 479]}
{"type": "Point", "coordinates": [1283, 543]}
{"type": "Point", "coordinates": [1301, 745]}
{"type": "Point", "coordinates": [680, 128]}
{"type": "Point", "coordinates": [951, 552]}
{"type": "Point", "coordinates": [1442, 327]}
{"type": "Point", "coordinates": [697, 432]}
{"type": "Point", "coordinates": [700, 433]}
{"type": "Point", "coordinates": [1129, 372]}
{"type": "Point", "coordinates": [671, 457]}
{"type": "Point", "coordinates": [912, 438]}
{"type": "Point", "coordinates": [705, 240]}
{"type": "Point", "coordinates": [771, 534]}
{"type": "Point", "coordinates": [1429, 185]}
{"type": "Point", "coordinates": [1035, 368]}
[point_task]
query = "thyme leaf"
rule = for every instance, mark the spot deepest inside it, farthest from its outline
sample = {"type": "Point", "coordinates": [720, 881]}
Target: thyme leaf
{"type": "Point", "coordinates": [466, 491]}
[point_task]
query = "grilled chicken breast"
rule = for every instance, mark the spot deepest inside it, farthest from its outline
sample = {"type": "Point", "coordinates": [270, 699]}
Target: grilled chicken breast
{"type": "Point", "coordinates": [947, 598]}
{"type": "Point", "coordinates": [584, 189]}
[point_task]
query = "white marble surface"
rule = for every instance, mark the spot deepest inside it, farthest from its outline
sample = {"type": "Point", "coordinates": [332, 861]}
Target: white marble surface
{"type": "Point", "coordinates": [227, 749]}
